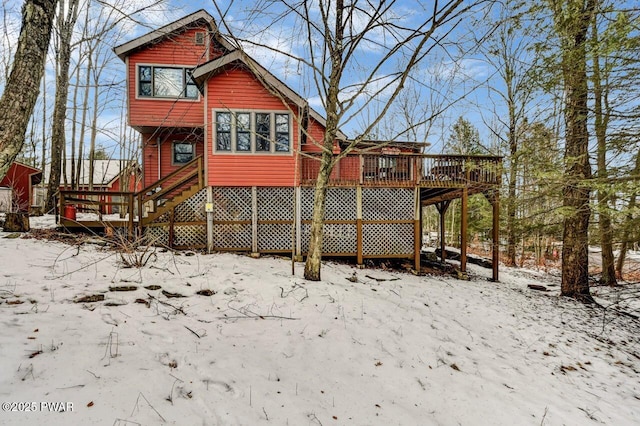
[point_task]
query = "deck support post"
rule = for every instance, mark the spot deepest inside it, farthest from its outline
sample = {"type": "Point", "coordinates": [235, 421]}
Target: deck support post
{"type": "Point", "coordinates": [298, 223]}
{"type": "Point", "coordinates": [495, 246]}
{"type": "Point", "coordinates": [172, 220]}
{"type": "Point", "coordinates": [254, 221]}
{"type": "Point", "coordinates": [417, 233]}
{"type": "Point", "coordinates": [442, 207]}
{"type": "Point", "coordinates": [131, 213]}
{"type": "Point", "coordinates": [140, 207]}
{"type": "Point", "coordinates": [463, 229]}
{"type": "Point", "coordinates": [210, 214]}
{"type": "Point", "coordinates": [359, 225]}
{"type": "Point", "coordinates": [60, 212]}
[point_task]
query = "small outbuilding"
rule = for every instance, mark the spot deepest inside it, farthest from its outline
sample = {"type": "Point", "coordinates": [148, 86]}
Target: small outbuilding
{"type": "Point", "coordinates": [20, 180]}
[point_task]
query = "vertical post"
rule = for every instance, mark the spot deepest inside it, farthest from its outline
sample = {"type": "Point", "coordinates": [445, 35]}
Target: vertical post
{"type": "Point", "coordinates": [293, 231]}
{"type": "Point", "coordinates": [210, 214]}
{"type": "Point", "coordinates": [495, 247]}
{"type": "Point", "coordinates": [298, 219]}
{"type": "Point", "coordinates": [254, 221]}
{"type": "Point", "coordinates": [463, 229]}
{"type": "Point", "coordinates": [140, 213]}
{"type": "Point", "coordinates": [417, 232]}
{"type": "Point", "coordinates": [130, 211]}
{"type": "Point", "coordinates": [361, 158]}
{"type": "Point", "coordinates": [442, 207]}
{"type": "Point", "coordinates": [359, 251]}
{"type": "Point", "coordinates": [60, 207]}
{"type": "Point", "coordinates": [172, 214]}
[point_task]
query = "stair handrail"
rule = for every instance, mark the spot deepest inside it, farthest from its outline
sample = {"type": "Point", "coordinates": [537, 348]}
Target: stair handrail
{"type": "Point", "coordinates": [157, 183]}
{"type": "Point", "coordinates": [167, 189]}
{"type": "Point", "coordinates": [142, 197]}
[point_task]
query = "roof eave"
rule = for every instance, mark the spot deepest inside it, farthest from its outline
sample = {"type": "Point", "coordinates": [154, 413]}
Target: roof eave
{"type": "Point", "coordinates": [125, 49]}
{"type": "Point", "coordinates": [205, 71]}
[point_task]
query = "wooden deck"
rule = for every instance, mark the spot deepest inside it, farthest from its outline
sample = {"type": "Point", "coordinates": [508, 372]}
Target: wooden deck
{"type": "Point", "coordinates": [437, 179]}
{"type": "Point", "coordinates": [437, 175]}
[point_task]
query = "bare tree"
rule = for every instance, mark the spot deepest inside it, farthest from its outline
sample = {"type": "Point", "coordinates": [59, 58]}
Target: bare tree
{"type": "Point", "coordinates": [22, 88]}
{"type": "Point", "coordinates": [507, 52]}
{"type": "Point", "coordinates": [66, 19]}
{"type": "Point", "coordinates": [355, 55]}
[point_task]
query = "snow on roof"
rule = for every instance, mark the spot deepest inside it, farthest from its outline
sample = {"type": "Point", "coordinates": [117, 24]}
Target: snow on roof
{"type": "Point", "coordinates": [104, 172]}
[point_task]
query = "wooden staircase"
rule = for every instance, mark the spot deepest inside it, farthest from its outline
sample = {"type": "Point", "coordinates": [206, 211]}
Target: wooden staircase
{"type": "Point", "coordinates": [164, 195]}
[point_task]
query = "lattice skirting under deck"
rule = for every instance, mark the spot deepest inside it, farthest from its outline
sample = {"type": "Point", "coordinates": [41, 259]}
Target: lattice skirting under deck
{"type": "Point", "coordinates": [270, 220]}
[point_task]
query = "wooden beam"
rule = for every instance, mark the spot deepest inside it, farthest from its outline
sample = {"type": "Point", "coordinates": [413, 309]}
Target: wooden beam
{"type": "Point", "coordinates": [254, 220]}
{"type": "Point", "coordinates": [359, 250]}
{"type": "Point", "coordinates": [495, 247]}
{"type": "Point", "coordinates": [131, 214]}
{"type": "Point", "coordinates": [172, 220]}
{"type": "Point", "coordinates": [417, 234]}
{"type": "Point", "coordinates": [442, 207]}
{"type": "Point", "coordinates": [463, 229]}
{"type": "Point", "coordinates": [210, 216]}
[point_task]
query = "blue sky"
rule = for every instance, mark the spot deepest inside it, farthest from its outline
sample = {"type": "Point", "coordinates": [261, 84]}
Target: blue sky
{"type": "Point", "coordinates": [444, 76]}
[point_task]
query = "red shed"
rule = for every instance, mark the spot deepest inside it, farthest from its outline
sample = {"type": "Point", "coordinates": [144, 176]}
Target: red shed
{"type": "Point", "coordinates": [21, 178]}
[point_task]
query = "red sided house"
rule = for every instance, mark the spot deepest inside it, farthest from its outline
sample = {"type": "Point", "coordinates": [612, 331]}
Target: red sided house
{"type": "Point", "coordinates": [229, 159]}
{"type": "Point", "coordinates": [20, 179]}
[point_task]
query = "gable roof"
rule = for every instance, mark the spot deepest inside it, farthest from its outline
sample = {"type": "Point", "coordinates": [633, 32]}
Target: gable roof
{"type": "Point", "coordinates": [203, 72]}
{"type": "Point", "coordinates": [208, 69]}
{"type": "Point", "coordinates": [18, 169]}
{"type": "Point", "coordinates": [196, 18]}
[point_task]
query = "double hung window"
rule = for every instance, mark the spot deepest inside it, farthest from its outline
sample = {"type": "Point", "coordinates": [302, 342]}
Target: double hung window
{"type": "Point", "coordinates": [183, 152]}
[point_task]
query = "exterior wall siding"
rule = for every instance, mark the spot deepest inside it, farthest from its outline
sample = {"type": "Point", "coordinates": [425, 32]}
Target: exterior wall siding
{"type": "Point", "coordinates": [18, 178]}
{"type": "Point", "coordinates": [314, 138]}
{"type": "Point", "coordinates": [150, 156]}
{"type": "Point", "coordinates": [178, 50]}
{"type": "Point", "coordinates": [239, 89]}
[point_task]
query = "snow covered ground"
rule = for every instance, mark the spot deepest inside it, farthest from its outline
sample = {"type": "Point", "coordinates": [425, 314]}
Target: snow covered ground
{"type": "Point", "coordinates": [261, 346]}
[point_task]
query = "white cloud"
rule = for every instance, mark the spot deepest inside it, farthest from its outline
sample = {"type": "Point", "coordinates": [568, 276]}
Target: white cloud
{"type": "Point", "coordinates": [464, 69]}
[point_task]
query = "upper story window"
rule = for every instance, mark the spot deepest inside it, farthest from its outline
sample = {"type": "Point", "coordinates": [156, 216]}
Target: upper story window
{"type": "Point", "coordinates": [166, 82]}
{"type": "Point", "coordinates": [199, 38]}
{"type": "Point", "coordinates": [252, 132]}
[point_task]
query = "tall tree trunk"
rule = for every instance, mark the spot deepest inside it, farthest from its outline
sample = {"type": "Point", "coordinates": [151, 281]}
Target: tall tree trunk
{"type": "Point", "coordinates": [94, 129]}
{"type": "Point", "coordinates": [22, 88]}
{"type": "Point", "coordinates": [602, 115]}
{"type": "Point", "coordinates": [572, 19]}
{"type": "Point", "coordinates": [630, 208]}
{"type": "Point", "coordinates": [512, 236]}
{"type": "Point", "coordinates": [83, 123]}
{"type": "Point", "coordinates": [43, 159]}
{"type": "Point", "coordinates": [58, 140]}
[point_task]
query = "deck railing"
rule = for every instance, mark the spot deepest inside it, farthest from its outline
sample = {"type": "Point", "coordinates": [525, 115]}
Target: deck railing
{"type": "Point", "coordinates": [456, 170]}
{"type": "Point", "coordinates": [135, 204]}
{"type": "Point", "coordinates": [151, 197]}
{"type": "Point", "coordinates": [98, 203]}
{"type": "Point", "coordinates": [406, 170]}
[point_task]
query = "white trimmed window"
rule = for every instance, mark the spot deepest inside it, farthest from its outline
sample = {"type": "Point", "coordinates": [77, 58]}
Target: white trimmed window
{"type": "Point", "coordinates": [252, 132]}
{"type": "Point", "coordinates": [166, 82]}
